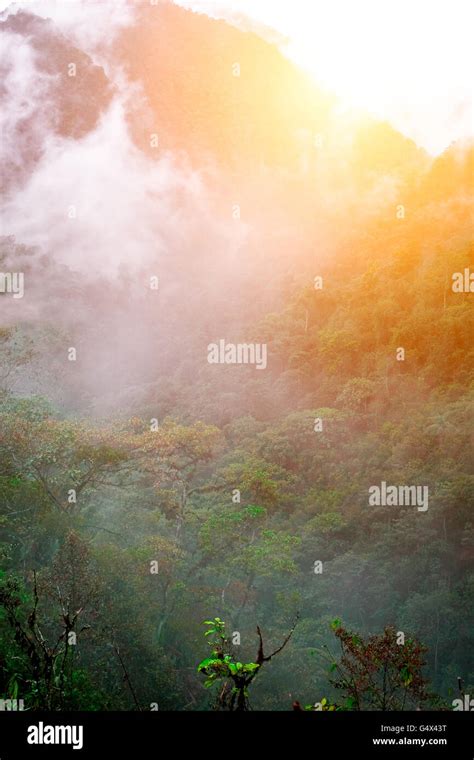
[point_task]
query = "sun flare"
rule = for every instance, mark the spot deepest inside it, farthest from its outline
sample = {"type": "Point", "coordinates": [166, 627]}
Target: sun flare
{"type": "Point", "coordinates": [408, 61]}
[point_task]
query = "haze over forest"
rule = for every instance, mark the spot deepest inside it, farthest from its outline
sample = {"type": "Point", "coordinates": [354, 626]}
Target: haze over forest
{"type": "Point", "coordinates": [184, 204]}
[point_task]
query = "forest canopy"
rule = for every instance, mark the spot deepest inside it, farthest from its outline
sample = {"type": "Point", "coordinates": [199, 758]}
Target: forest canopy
{"type": "Point", "coordinates": [145, 489]}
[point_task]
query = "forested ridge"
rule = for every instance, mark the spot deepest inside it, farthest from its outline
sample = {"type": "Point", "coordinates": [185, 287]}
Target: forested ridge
{"type": "Point", "coordinates": [144, 490]}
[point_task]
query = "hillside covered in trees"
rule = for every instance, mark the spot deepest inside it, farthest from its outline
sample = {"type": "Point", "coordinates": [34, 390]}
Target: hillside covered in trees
{"type": "Point", "coordinates": [169, 205]}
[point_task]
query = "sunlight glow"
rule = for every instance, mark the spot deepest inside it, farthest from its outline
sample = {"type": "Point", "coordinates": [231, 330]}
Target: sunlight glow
{"type": "Point", "coordinates": [408, 61]}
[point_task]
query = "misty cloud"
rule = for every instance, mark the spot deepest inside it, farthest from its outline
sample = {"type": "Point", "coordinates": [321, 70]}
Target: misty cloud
{"type": "Point", "coordinates": [92, 26]}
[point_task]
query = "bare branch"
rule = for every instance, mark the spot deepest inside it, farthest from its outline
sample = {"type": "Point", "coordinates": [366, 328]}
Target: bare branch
{"type": "Point", "coordinates": [261, 657]}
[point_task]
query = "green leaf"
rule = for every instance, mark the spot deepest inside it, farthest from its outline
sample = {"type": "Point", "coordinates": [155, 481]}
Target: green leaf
{"type": "Point", "coordinates": [207, 663]}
